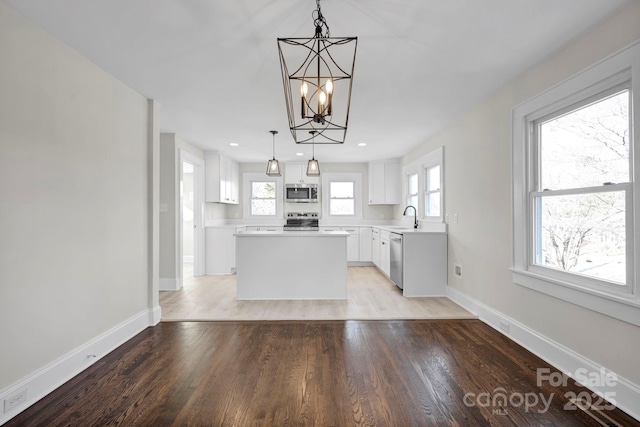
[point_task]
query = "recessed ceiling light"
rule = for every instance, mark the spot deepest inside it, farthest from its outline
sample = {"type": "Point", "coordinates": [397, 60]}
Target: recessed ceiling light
{"type": "Point", "coordinates": [233, 144]}
{"type": "Point", "coordinates": [299, 154]}
{"type": "Point", "coordinates": [362, 144]}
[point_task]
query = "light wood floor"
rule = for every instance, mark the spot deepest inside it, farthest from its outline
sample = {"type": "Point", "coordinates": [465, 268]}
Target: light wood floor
{"type": "Point", "coordinates": [370, 296]}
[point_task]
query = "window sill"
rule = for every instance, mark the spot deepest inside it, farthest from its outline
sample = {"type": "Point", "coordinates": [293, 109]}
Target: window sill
{"type": "Point", "coordinates": [625, 309]}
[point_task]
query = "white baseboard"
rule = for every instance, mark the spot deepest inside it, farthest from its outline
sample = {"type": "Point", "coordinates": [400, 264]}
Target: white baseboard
{"type": "Point", "coordinates": [170, 284]}
{"type": "Point", "coordinates": [627, 393]}
{"type": "Point", "coordinates": [155, 315]}
{"type": "Point", "coordinates": [53, 375]}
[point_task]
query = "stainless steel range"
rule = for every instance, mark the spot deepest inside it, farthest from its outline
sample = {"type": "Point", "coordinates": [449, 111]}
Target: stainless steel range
{"type": "Point", "coordinates": [302, 221]}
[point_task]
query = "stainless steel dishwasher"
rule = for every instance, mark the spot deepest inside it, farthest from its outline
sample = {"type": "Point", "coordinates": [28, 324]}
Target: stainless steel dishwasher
{"type": "Point", "coordinates": [395, 259]}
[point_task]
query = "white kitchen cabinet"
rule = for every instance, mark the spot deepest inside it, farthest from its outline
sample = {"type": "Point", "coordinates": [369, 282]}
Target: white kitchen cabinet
{"type": "Point", "coordinates": [222, 178]}
{"type": "Point", "coordinates": [385, 252]}
{"type": "Point", "coordinates": [375, 246]}
{"type": "Point", "coordinates": [365, 244]}
{"type": "Point", "coordinates": [385, 186]}
{"type": "Point", "coordinates": [353, 243]}
{"type": "Point", "coordinates": [296, 173]}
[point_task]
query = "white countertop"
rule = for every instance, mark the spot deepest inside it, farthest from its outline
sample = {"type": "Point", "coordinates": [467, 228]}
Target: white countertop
{"type": "Point", "coordinates": [402, 230]}
{"type": "Point", "coordinates": [292, 234]}
{"type": "Point", "coordinates": [427, 228]}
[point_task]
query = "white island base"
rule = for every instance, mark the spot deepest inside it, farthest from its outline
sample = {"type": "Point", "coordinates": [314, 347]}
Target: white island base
{"type": "Point", "coordinates": [291, 265]}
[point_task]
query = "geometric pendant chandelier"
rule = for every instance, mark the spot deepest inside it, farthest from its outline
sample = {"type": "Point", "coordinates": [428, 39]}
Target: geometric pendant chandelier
{"type": "Point", "coordinates": [317, 75]}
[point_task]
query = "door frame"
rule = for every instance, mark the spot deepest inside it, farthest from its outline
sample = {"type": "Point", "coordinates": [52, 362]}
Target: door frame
{"type": "Point", "coordinates": [198, 213]}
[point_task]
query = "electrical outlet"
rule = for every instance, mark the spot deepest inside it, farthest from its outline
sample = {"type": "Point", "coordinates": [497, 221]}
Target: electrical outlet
{"type": "Point", "coordinates": [15, 400]}
{"type": "Point", "coordinates": [455, 218]}
{"type": "Point", "coordinates": [446, 218]}
{"type": "Point", "coordinates": [505, 326]}
{"type": "Point", "coordinates": [457, 270]}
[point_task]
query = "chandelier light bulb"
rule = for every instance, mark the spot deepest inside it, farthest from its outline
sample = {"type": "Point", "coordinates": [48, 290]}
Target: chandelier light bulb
{"type": "Point", "coordinates": [304, 88]}
{"type": "Point", "coordinates": [322, 102]}
{"type": "Point", "coordinates": [329, 86]}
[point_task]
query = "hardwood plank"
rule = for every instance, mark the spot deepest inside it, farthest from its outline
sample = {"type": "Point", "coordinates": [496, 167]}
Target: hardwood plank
{"type": "Point", "coordinates": [309, 373]}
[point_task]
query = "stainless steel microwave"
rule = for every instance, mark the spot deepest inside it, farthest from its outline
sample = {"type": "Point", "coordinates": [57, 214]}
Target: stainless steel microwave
{"type": "Point", "coordinates": [301, 193]}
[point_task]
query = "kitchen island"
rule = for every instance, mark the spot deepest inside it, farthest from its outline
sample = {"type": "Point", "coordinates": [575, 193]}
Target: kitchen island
{"type": "Point", "coordinates": [291, 265]}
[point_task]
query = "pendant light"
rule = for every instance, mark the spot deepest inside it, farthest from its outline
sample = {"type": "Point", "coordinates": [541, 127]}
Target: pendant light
{"type": "Point", "coordinates": [320, 70]}
{"type": "Point", "coordinates": [313, 167]}
{"type": "Point", "coordinates": [273, 167]}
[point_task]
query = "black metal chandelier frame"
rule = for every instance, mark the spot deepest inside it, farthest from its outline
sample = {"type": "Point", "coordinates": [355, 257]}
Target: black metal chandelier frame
{"type": "Point", "coordinates": [317, 76]}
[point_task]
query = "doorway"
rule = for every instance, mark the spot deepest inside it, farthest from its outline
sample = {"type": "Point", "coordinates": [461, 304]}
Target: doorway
{"type": "Point", "coordinates": [191, 236]}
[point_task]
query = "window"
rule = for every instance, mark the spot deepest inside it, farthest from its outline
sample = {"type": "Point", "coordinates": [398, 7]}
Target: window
{"type": "Point", "coordinates": [432, 191]}
{"type": "Point", "coordinates": [574, 190]}
{"type": "Point", "coordinates": [263, 198]}
{"type": "Point", "coordinates": [425, 188]}
{"type": "Point", "coordinates": [412, 190]}
{"type": "Point", "coordinates": [342, 198]}
{"type": "Point", "coordinates": [341, 194]}
{"type": "Point", "coordinates": [582, 184]}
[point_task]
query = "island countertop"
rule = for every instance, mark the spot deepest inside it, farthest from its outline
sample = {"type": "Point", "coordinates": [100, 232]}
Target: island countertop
{"type": "Point", "coordinates": [336, 233]}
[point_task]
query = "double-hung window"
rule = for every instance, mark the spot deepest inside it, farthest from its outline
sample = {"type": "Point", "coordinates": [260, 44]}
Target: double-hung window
{"type": "Point", "coordinates": [342, 198]}
{"type": "Point", "coordinates": [263, 198]}
{"type": "Point", "coordinates": [341, 195]}
{"type": "Point", "coordinates": [582, 189]}
{"type": "Point", "coordinates": [413, 194]}
{"type": "Point", "coordinates": [432, 194]}
{"type": "Point", "coordinates": [575, 192]}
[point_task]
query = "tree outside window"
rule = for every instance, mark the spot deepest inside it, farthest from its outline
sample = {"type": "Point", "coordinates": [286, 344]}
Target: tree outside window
{"type": "Point", "coordinates": [583, 183]}
{"type": "Point", "coordinates": [263, 198]}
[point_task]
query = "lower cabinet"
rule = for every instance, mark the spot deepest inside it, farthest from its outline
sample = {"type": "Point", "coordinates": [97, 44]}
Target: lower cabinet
{"type": "Point", "coordinates": [365, 244]}
{"type": "Point", "coordinates": [385, 252]}
{"type": "Point", "coordinates": [375, 247]}
{"type": "Point", "coordinates": [353, 243]}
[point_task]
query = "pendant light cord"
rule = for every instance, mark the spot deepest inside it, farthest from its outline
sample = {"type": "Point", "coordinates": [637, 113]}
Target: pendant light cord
{"type": "Point", "coordinates": [274, 132]}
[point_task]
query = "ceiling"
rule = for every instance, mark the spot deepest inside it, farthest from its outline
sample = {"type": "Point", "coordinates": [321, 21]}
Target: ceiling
{"type": "Point", "coordinates": [213, 65]}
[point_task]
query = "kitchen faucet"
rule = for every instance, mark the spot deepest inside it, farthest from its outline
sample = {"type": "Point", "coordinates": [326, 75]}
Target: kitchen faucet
{"type": "Point", "coordinates": [415, 215]}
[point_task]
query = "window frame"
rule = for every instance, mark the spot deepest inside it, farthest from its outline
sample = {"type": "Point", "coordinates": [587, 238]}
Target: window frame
{"type": "Point", "coordinates": [607, 76]}
{"type": "Point", "coordinates": [247, 189]}
{"type": "Point", "coordinates": [427, 192]}
{"type": "Point", "coordinates": [331, 198]}
{"type": "Point", "coordinates": [417, 193]}
{"type": "Point", "coordinates": [327, 179]}
{"type": "Point", "coordinates": [252, 198]}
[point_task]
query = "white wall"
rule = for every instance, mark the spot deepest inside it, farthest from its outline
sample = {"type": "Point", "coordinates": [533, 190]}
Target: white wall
{"type": "Point", "coordinates": [478, 182]}
{"type": "Point", "coordinates": [74, 189]}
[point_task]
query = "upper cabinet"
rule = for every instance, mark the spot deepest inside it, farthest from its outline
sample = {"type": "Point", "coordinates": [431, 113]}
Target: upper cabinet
{"type": "Point", "coordinates": [296, 173]}
{"type": "Point", "coordinates": [222, 178]}
{"type": "Point", "coordinates": [385, 186]}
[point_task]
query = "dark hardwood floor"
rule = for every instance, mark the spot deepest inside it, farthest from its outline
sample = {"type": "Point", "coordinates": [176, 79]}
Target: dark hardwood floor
{"type": "Point", "coordinates": [332, 373]}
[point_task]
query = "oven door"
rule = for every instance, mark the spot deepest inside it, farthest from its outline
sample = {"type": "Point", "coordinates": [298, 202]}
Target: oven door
{"type": "Point", "coordinates": [298, 194]}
